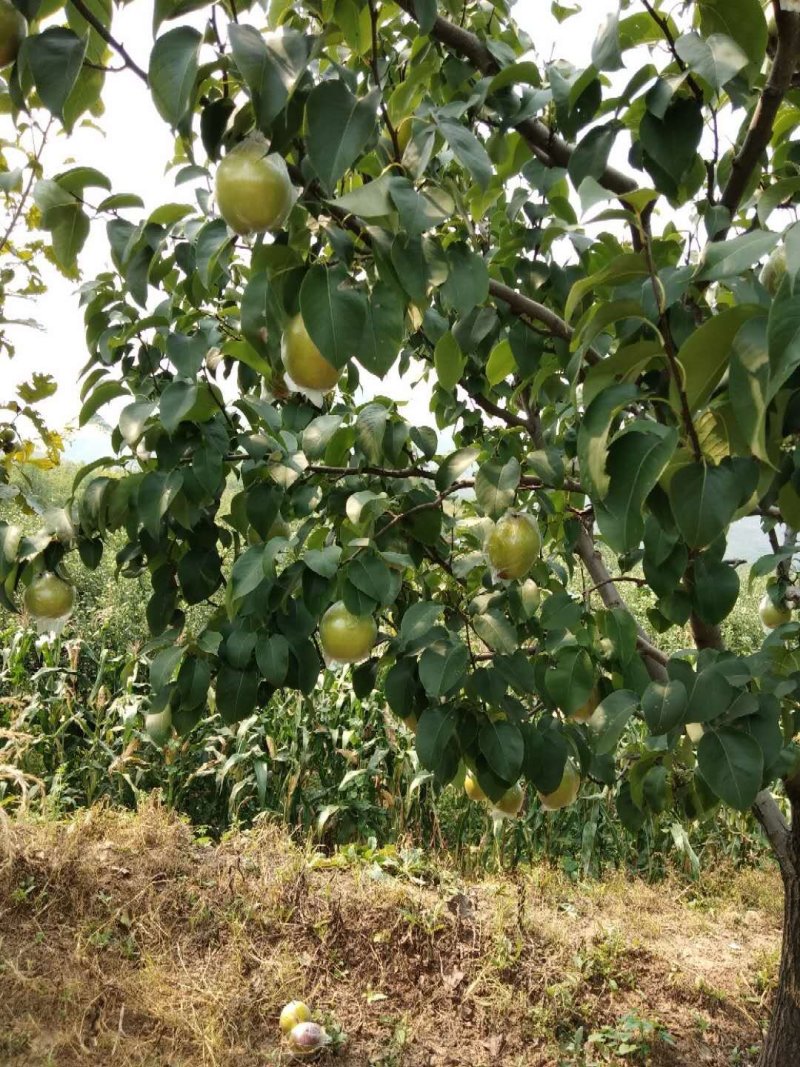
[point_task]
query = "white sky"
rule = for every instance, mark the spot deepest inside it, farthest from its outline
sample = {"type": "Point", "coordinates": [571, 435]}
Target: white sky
{"type": "Point", "coordinates": [134, 150]}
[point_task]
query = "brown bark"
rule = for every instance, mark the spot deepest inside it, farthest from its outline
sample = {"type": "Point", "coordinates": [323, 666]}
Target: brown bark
{"type": "Point", "coordinates": [782, 1044]}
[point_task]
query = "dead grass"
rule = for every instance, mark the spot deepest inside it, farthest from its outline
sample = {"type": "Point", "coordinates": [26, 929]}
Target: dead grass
{"type": "Point", "coordinates": [124, 941]}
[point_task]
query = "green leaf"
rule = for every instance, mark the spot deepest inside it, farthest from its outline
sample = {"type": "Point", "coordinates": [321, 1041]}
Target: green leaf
{"type": "Point", "coordinates": [339, 126]}
{"type": "Point", "coordinates": [371, 576]}
{"type": "Point", "coordinates": [496, 485]}
{"type": "Point", "coordinates": [173, 72]}
{"type": "Point", "coordinates": [270, 65]}
{"type": "Point", "coordinates": [571, 679]}
{"type": "Point", "coordinates": [384, 330]}
{"type": "Point", "coordinates": [370, 201]}
{"type": "Point", "coordinates": [704, 500]}
{"type": "Point", "coordinates": [590, 157]}
{"type": "Point", "coordinates": [776, 195]}
{"type": "Point", "coordinates": [370, 429]}
{"type": "Point", "coordinates": [426, 14]}
{"type": "Point", "coordinates": [609, 719]}
{"type": "Point", "coordinates": [443, 667]}
{"type": "Point", "coordinates": [247, 573]}
{"type": "Point", "coordinates": [670, 143]}
{"type": "Point", "coordinates": [194, 678]}
{"type": "Point", "coordinates": [156, 492]}
{"type": "Point", "coordinates": [436, 742]}
{"type": "Point", "coordinates": [456, 464]}
{"type": "Point", "coordinates": [705, 356]}
{"type": "Point", "coordinates": [593, 434]}
{"type": "Point", "coordinates": [318, 434]}
{"type": "Point", "coordinates": [727, 259]}
{"type": "Point", "coordinates": [417, 622]}
{"type": "Point", "coordinates": [623, 268]}
{"type": "Point", "coordinates": [545, 756]}
{"type": "Point", "coordinates": [637, 458]}
{"type": "Point", "coordinates": [783, 334]}
{"type": "Point", "coordinates": [237, 692]}
{"type": "Point", "coordinates": [715, 590]}
{"type": "Point", "coordinates": [449, 361]}
{"type": "Point", "coordinates": [164, 665]}
{"type": "Point", "coordinates": [105, 391]}
{"type": "Point", "coordinates": [323, 561]}
{"type": "Point", "coordinates": [732, 764]}
{"type": "Point", "coordinates": [501, 362]}
{"type": "Point", "coordinates": [748, 384]}
{"type": "Point", "coordinates": [467, 284]}
{"type": "Point", "coordinates": [496, 632]}
{"type": "Point", "coordinates": [741, 20]}
{"type": "Point", "coordinates": [663, 705]}
{"type": "Point", "coordinates": [176, 402]}
{"type": "Point", "coordinates": [55, 57]}
{"type": "Point", "coordinates": [716, 59]}
{"type": "Point", "coordinates": [272, 657]}
{"type": "Point", "coordinates": [333, 313]}
{"type": "Point", "coordinates": [503, 746]}
{"type": "Point", "coordinates": [606, 50]}
{"type": "Point", "coordinates": [468, 150]}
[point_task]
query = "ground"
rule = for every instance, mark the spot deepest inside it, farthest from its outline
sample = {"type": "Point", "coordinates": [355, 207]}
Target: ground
{"type": "Point", "coordinates": [125, 940]}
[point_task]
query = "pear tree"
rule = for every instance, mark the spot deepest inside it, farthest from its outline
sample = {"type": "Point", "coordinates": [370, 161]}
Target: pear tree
{"type": "Point", "coordinates": [568, 261]}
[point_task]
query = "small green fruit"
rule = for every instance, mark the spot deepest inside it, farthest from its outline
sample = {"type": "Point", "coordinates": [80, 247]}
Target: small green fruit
{"type": "Point", "coordinates": [774, 270]}
{"type": "Point", "coordinates": [510, 803]}
{"type": "Point", "coordinates": [49, 597]}
{"type": "Point", "coordinates": [253, 188]}
{"type": "Point", "coordinates": [566, 792]}
{"type": "Point", "coordinates": [513, 545]}
{"type": "Point", "coordinates": [304, 362]}
{"type": "Point", "coordinates": [772, 614]}
{"type": "Point", "coordinates": [346, 638]}
{"type": "Point", "coordinates": [472, 787]}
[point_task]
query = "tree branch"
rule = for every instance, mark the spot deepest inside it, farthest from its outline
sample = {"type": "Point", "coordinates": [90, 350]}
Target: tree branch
{"type": "Point", "coordinates": [653, 658]}
{"type": "Point", "coordinates": [525, 308]}
{"type": "Point", "coordinates": [763, 121]}
{"type": "Point", "coordinates": [119, 48]}
{"type": "Point", "coordinates": [663, 25]}
{"type": "Point", "coordinates": [775, 827]}
{"type": "Point", "coordinates": [543, 142]}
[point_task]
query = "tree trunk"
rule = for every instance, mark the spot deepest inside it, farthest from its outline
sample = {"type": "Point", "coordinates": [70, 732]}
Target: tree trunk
{"type": "Point", "coordinates": [782, 1043]}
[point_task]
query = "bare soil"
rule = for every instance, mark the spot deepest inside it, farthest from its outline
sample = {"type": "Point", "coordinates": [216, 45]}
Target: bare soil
{"type": "Point", "coordinates": [125, 941]}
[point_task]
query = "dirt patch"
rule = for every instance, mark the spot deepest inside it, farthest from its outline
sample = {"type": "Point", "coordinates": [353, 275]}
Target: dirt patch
{"type": "Point", "coordinates": [123, 940]}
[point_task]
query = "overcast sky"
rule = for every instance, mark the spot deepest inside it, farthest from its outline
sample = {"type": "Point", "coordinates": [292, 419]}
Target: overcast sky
{"type": "Point", "coordinates": [134, 150]}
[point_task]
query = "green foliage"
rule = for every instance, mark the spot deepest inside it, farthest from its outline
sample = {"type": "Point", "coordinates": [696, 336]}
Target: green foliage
{"type": "Point", "coordinates": [627, 382]}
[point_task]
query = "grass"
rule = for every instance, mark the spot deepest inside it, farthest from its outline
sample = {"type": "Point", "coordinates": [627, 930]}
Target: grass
{"type": "Point", "coordinates": [125, 939]}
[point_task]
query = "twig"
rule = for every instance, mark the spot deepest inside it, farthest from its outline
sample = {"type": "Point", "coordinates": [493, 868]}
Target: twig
{"type": "Point", "coordinates": [763, 121]}
{"type": "Point", "coordinates": [119, 48]}
{"type": "Point", "coordinates": [663, 25]}
{"type": "Point", "coordinates": [547, 145]}
{"type": "Point", "coordinates": [373, 17]}
{"type": "Point", "coordinates": [32, 163]}
{"type": "Point", "coordinates": [670, 349]}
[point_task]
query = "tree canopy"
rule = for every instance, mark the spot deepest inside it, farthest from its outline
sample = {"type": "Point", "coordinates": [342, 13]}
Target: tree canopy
{"type": "Point", "coordinates": [607, 354]}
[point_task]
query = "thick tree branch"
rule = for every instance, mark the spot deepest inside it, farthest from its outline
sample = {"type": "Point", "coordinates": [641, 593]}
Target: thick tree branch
{"type": "Point", "coordinates": [119, 48]}
{"type": "Point", "coordinates": [763, 121]}
{"type": "Point", "coordinates": [775, 827]}
{"type": "Point", "coordinates": [544, 143]}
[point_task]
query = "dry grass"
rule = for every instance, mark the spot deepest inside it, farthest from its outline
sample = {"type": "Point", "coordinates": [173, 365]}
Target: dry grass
{"type": "Point", "coordinates": [124, 941]}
